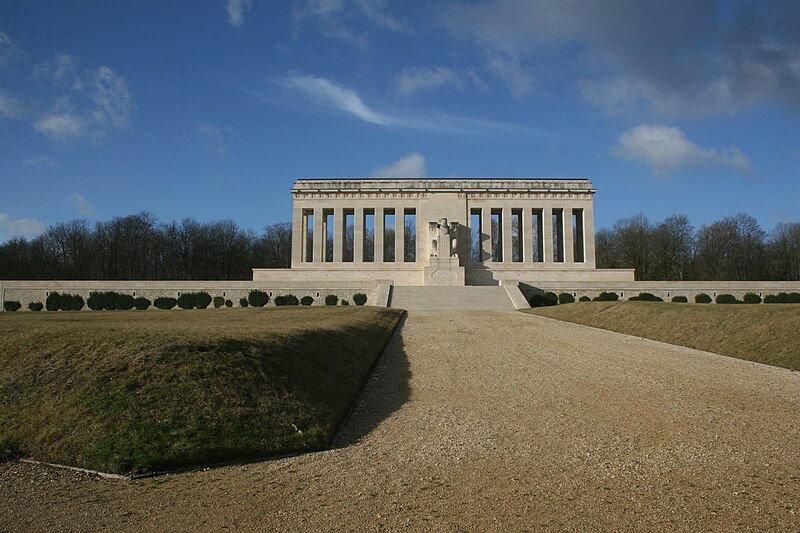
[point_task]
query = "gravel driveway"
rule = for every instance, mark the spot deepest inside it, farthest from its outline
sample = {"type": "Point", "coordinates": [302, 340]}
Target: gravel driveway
{"type": "Point", "coordinates": [491, 421]}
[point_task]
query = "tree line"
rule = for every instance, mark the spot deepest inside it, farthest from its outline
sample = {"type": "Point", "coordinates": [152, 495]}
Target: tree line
{"type": "Point", "coordinates": [137, 247]}
{"type": "Point", "coordinates": [735, 248]}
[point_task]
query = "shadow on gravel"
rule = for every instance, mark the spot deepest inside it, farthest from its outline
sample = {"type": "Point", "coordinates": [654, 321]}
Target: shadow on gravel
{"type": "Point", "coordinates": [384, 392]}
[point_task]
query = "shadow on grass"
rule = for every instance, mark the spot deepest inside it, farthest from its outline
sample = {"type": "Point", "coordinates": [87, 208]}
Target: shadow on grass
{"type": "Point", "coordinates": [384, 392]}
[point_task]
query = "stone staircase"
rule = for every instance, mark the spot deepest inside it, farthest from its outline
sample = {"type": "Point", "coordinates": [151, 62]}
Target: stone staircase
{"type": "Point", "coordinates": [423, 298]}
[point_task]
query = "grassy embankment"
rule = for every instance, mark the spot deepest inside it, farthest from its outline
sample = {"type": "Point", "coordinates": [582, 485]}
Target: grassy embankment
{"type": "Point", "coordinates": [136, 392]}
{"type": "Point", "coordinates": [766, 333]}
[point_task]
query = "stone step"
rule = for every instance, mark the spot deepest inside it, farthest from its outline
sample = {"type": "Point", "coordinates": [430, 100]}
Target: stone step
{"type": "Point", "coordinates": [422, 298]}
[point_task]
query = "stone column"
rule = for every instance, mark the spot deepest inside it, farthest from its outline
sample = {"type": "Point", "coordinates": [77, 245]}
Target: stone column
{"type": "Point", "coordinates": [338, 234]}
{"type": "Point", "coordinates": [508, 246]}
{"type": "Point", "coordinates": [569, 248]}
{"type": "Point", "coordinates": [588, 236]}
{"type": "Point", "coordinates": [423, 239]}
{"type": "Point", "coordinates": [297, 236]}
{"type": "Point", "coordinates": [526, 234]}
{"type": "Point", "coordinates": [319, 236]}
{"type": "Point", "coordinates": [378, 234]}
{"type": "Point", "coordinates": [358, 235]}
{"type": "Point", "coordinates": [399, 234]}
{"type": "Point", "coordinates": [486, 233]}
{"type": "Point", "coordinates": [547, 234]}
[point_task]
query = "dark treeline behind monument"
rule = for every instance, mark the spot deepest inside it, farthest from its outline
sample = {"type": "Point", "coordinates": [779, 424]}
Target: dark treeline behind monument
{"type": "Point", "coordinates": [137, 247]}
{"type": "Point", "coordinates": [735, 248]}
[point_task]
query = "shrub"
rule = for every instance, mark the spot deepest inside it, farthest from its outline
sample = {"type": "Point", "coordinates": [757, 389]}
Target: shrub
{"type": "Point", "coordinates": [565, 298]}
{"type": "Point", "coordinates": [257, 298]}
{"type": "Point", "coordinates": [123, 302]}
{"type": "Point", "coordinates": [95, 301]}
{"type": "Point", "coordinates": [680, 299]}
{"type": "Point", "coordinates": [584, 299]}
{"type": "Point", "coordinates": [219, 301]}
{"type": "Point", "coordinates": [544, 300]}
{"type": "Point", "coordinates": [345, 302]}
{"type": "Point", "coordinates": [12, 306]}
{"type": "Point", "coordinates": [53, 302]}
{"type": "Point", "coordinates": [752, 298]}
{"type": "Point", "coordinates": [647, 297]}
{"type": "Point", "coordinates": [780, 298]}
{"type": "Point", "coordinates": [702, 298]}
{"type": "Point", "coordinates": [607, 297]}
{"type": "Point", "coordinates": [726, 299]}
{"type": "Point", "coordinates": [70, 302]}
{"type": "Point", "coordinates": [359, 298]}
{"type": "Point", "coordinates": [141, 303]}
{"type": "Point", "coordinates": [243, 302]}
{"type": "Point", "coordinates": [331, 299]}
{"type": "Point", "coordinates": [186, 300]}
{"type": "Point", "coordinates": [229, 303]}
{"type": "Point", "coordinates": [165, 302]}
{"type": "Point", "coordinates": [286, 299]}
{"type": "Point", "coordinates": [306, 300]}
{"type": "Point", "coordinates": [794, 298]}
{"type": "Point", "coordinates": [201, 299]}
{"type": "Point", "coordinates": [36, 306]}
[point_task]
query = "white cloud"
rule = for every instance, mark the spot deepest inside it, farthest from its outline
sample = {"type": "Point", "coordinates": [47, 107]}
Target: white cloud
{"type": "Point", "coordinates": [327, 94]}
{"type": "Point", "coordinates": [87, 103]}
{"type": "Point", "coordinates": [212, 137]}
{"type": "Point", "coordinates": [39, 161]}
{"type": "Point", "coordinates": [11, 107]}
{"type": "Point", "coordinates": [8, 48]}
{"type": "Point", "coordinates": [339, 19]}
{"type": "Point", "coordinates": [77, 201]}
{"type": "Point", "coordinates": [413, 79]}
{"type": "Point", "coordinates": [15, 227]}
{"type": "Point", "coordinates": [666, 149]}
{"type": "Point", "coordinates": [236, 10]}
{"type": "Point", "coordinates": [409, 166]}
{"type": "Point", "coordinates": [508, 68]}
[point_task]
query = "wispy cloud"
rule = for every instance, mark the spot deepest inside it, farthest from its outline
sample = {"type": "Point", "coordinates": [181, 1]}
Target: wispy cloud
{"type": "Point", "coordinates": [236, 10]}
{"type": "Point", "coordinates": [88, 103]}
{"type": "Point", "coordinates": [8, 48]}
{"type": "Point", "coordinates": [11, 107]}
{"type": "Point", "coordinates": [348, 20]}
{"type": "Point", "coordinates": [415, 79]}
{"type": "Point", "coordinates": [39, 161]}
{"type": "Point", "coordinates": [77, 201]}
{"type": "Point", "coordinates": [19, 227]}
{"type": "Point", "coordinates": [666, 150]}
{"type": "Point", "coordinates": [409, 166]}
{"type": "Point", "coordinates": [329, 96]}
{"type": "Point", "coordinates": [212, 137]}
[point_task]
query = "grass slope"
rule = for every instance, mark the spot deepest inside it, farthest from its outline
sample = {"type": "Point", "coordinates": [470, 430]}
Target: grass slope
{"type": "Point", "coordinates": [135, 392]}
{"type": "Point", "coordinates": [762, 333]}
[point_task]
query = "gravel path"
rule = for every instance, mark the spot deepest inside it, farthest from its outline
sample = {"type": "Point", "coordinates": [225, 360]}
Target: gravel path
{"type": "Point", "coordinates": [491, 421]}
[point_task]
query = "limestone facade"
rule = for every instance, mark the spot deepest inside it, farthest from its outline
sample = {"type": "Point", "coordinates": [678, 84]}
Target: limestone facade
{"type": "Point", "coordinates": [521, 229]}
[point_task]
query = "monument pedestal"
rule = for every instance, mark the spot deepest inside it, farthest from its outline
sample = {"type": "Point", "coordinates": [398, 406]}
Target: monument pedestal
{"type": "Point", "coordinates": [444, 271]}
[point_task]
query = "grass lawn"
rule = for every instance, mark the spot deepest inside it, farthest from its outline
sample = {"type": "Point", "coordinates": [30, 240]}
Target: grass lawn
{"type": "Point", "coordinates": [766, 333]}
{"type": "Point", "coordinates": [141, 391]}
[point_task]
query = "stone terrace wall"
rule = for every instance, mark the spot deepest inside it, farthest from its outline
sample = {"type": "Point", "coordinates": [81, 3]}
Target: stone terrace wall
{"type": "Point", "coordinates": [37, 291]}
{"type": "Point", "coordinates": [663, 289]}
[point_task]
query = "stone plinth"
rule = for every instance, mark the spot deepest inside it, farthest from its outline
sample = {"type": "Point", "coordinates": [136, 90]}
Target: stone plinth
{"type": "Point", "coordinates": [444, 271]}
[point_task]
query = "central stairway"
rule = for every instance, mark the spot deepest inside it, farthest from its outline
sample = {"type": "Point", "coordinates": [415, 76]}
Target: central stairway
{"type": "Point", "coordinates": [432, 297]}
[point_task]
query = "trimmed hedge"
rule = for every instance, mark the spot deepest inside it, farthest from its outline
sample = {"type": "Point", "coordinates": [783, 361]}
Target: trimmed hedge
{"type": "Point", "coordinates": [566, 298]}
{"type": "Point", "coordinates": [680, 299]}
{"type": "Point", "coordinates": [243, 302]}
{"type": "Point", "coordinates": [331, 299]}
{"type": "Point", "coordinates": [12, 306]}
{"type": "Point", "coordinates": [794, 297]}
{"type": "Point", "coordinates": [646, 297]}
{"type": "Point", "coordinates": [751, 298]}
{"type": "Point", "coordinates": [64, 302]}
{"type": "Point", "coordinates": [584, 299]}
{"type": "Point", "coordinates": [257, 298]}
{"type": "Point", "coordinates": [194, 300]}
{"type": "Point", "coordinates": [359, 298]}
{"type": "Point", "coordinates": [286, 299]}
{"type": "Point", "coordinates": [53, 302]}
{"type": "Point", "coordinates": [702, 298]}
{"type": "Point", "coordinates": [141, 303]}
{"type": "Point", "coordinates": [228, 303]}
{"type": "Point", "coordinates": [219, 301]}
{"type": "Point", "coordinates": [606, 297]}
{"type": "Point", "coordinates": [35, 306]}
{"type": "Point", "coordinates": [165, 302]}
{"type": "Point", "coordinates": [345, 302]}
{"type": "Point", "coordinates": [110, 301]}
{"type": "Point", "coordinates": [783, 298]}
{"type": "Point", "coordinates": [544, 300]}
{"type": "Point", "coordinates": [726, 299]}
{"type": "Point", "coordinates": [306, 300]}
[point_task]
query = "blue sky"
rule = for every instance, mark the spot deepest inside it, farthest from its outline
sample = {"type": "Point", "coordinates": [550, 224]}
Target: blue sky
{"type": "Point", "coordinates": [212, 109]}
